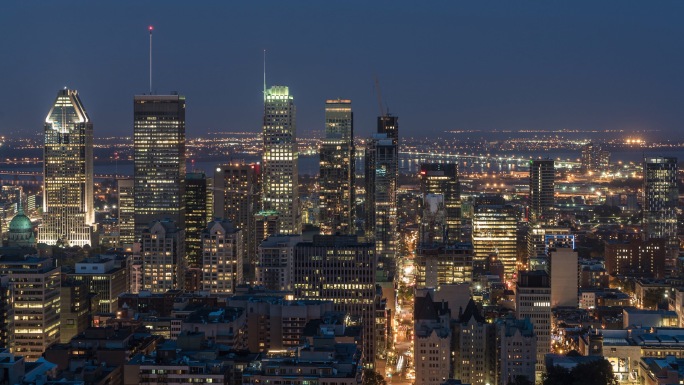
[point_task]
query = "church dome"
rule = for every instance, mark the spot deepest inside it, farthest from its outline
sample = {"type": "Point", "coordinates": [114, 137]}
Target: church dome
{"type": "Point", "coordinates": [20, 223]}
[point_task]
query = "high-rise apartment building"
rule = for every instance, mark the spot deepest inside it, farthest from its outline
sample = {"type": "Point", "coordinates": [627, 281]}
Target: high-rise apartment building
{"type": "Point", "coordinates": [661, 196]}
{"type": "Point", "coordinates": [542, 178]}
{"type": "Point", "coordinates": [35, 290]}
{"type": "Point", "coordinates": [473, 344]}
{"type": "Point", "coordinates": [340, 269]}
{"type": "Point", "coordinates": [163, 257]}
{"type": "Point", "coordinates": [381, 199]}
{"type": "Point", "coordinates": [533, 301]}
{"type": "Point", "coordinates": [199, 208]}
{"type": "Point", "coordinates": [594, 158]}
{"type": "Point", "coordinates": [495, 233]}
{"type": "Point", "coordinates": [159, 159]}
{"type": "Point", "coordinates": [126, 207]}
{"type": "Point", "coordinates": [442, 179]}
{"type": "Point", "coordinates": [222, 254]}
{"type": "Point", "coordinates": [516, 349]}
{"type": "Point", "coordinates": [238, 198]}
{"type": "Point", "coordinates": [280, 173]}
{"type": "Point", "coordinates": [337, 169]}
{"type": "Point", "coordinates": [68, 211]}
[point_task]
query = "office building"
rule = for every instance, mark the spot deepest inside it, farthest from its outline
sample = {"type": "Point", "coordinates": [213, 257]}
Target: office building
{"type": "Point", "coordinates": [163, 257]}
{"type": "Point", "coordinates": [276, 260]}
{"type": "Point", "coordinates": [340, 269]}
{"type": "Point", "coordinates": [442, 179]}
{"type": "Point", "coordinates": [222, 254]}
{"type": "Point", "coordinates": [440, 264]}
{"type": "Point", "coordinates": [280, 174]}
{"type": "Point", "coordinates": [661, 195]}
{"type": "Point", "coordinates": [126, 207]}
{"type": "Point", "coordinates": [542, 238]}
{"type": "Point", "coordinates": [104, 277]}
{"type": "Point", "coordinates": [238, 198]}
{"type": "Point", "coordinates": [381, 200]}
{"type": "Point", "coordinates": [495, 233]}
{"type": "Point", "coordinates": [159, 159]}
{"type": "Point", "coordinates": [337, 170]}
{"type": "Point", "coordinates": [35, 324]}
{"type": "Point", "coordinates": [542, 179]}
{"type": "Point", "coordinates": [432, 345]}
{"type": "Point", "coordinates": [68, 198]}
{"type": "Point", "coordinates": [199, 209]}
{"type": "Point", "coordinates": [389, 125]}
{"type": "Point", "coordinates": [75, 309]}
{"type": "Point", "coordinates": [637, 258]}
{"type": "Point", "coordinates": [533, 301]}
{"type": "Point", "coordinates": [564, 276]}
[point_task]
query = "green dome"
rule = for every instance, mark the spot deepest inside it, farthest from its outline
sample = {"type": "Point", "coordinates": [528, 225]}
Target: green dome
{"type": "Point", "coordinates": [20, 223]}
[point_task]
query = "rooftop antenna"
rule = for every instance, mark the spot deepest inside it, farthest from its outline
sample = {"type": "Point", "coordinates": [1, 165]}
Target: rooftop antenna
{"type": "Point", "coordinates": [151, 28]}
{"type": "Point", "coordinates": [264, 75]}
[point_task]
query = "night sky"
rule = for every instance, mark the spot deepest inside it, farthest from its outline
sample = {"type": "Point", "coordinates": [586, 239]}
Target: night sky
{"type": "Point", "coordinates": [442, 65]}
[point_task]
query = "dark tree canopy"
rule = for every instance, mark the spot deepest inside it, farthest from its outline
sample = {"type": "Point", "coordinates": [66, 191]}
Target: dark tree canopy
{"type": "Point", "coordinates": [598, 372]}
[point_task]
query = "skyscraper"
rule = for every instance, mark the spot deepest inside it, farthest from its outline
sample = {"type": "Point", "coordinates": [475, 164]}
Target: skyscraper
{"type": "Point", "coordinates": [542, 177]}
{"type": "Point", "coordinates": [159, 157]}
{"type": "Point", "coordinates": [381, 199]}
{"type": "Point", "coordinates": [533, 301]}
{"type": "Point", "coordinates": [660, 200]}
{"type": "Point", "coordinates": [495, 233]}
{"type": "Point", "coordinates": [337, 166]}
{"type": "Point", "coordinates": [68, 212]}
{"type": "Point", "coordinates": [281, 177]}
{"type": "Point", "coordinates": [199, 208]}
{"type": "Point", "coordinates": [442, 179]}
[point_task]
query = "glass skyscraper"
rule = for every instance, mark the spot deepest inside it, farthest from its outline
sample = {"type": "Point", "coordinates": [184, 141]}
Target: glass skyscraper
{"type": "Point", "coordinates": [337, 169]}
{"type": "Point", "coordinates": [280, 172]}
{"type": "Point", "coordinates": [660, 199]}
{"type": "Point", "coordinates": [68, 212]}
{"type": "Point", "coordinates": [542, 178]}
{"type": "Point", "coordinates": [159, 157]}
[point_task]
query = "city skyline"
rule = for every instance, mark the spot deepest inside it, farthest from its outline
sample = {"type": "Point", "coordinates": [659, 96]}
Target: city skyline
{"type": "Point", "coordinates": [585, 66]}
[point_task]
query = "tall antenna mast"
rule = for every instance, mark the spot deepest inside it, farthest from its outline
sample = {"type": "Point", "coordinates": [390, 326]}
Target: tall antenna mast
{"type": "Point", "coordinates": [264, 75]}
{"type": "Point", "coordinates": [151, 28]}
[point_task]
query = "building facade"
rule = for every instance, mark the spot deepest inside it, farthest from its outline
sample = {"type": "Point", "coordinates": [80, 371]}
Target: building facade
{"type": "Point", "coordinates": [126, 207]}
{"type": "Point", "coordinates": [442, 179]}
{"type": "Point", "coordinates": [533, 301]}
{"type": "Point", "coordinates": [495, 233]}
{"type": "Point", "coordinates": [199, 209]}
{"type": "Point", "coordinates": [661, 196]}
{"type": "Point", "coordinates": [68, 198]}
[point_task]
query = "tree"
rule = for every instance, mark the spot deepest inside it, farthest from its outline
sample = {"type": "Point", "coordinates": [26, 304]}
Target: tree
{"type": "Point", "coordinates": [371, 377]}
{"type": "Point", "coordinates": [520, 380]}
{"type": "Point", "coordinates": [597, 372]}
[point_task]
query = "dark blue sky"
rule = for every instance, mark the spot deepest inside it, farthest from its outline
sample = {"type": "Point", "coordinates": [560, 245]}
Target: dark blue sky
{"type": "Point", "coordinates": [442, 64]}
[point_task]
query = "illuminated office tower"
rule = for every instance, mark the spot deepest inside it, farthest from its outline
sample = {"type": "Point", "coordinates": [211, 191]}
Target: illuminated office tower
{"type": "Point", "coordinates": [442, 179]}
{"type": "Point", "coordinates": [222, 253]}
{"type": "Point", "coordinates": [163, 257]}
{"type": "Point", "coordinates": [340, 269]}
{"type": "Point", "coordinates": [199, 208]}
{"type": "Point", "coordinates": [281, 177]}
{"type": "Point", "coordinates": [68, 212]}
{"type": "Point", "coordinates": [542, 177]}
{"type": "Point", "coordinates": [660, 200]}
{"type": "Point", "coordinates": [238, 198]}
{"type": "Point", "coordinates": [381, 200]}
{"type": "Point", "coordinates": [337, 166]}
{"type": "Point", "coordinates": [495, 233]}
{"type": "Point", "coordinates": [35, 291]}
{"type": "Point", "coordinates": [533, 301]}
{"type": "Point", "coordinates": [389, 125]}
{"type": "Point", "coordinates": [126, 207]}
{"type": "Point", "coordinates": [159, 159]}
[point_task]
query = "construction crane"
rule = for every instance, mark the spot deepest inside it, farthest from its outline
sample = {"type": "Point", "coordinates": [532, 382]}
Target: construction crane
{"type": "Point", "coordinates": [383, 113]}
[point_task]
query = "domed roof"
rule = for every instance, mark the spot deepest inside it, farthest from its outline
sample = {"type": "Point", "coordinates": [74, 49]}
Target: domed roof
{"type": "Point", "coordinates": [20, 223]}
